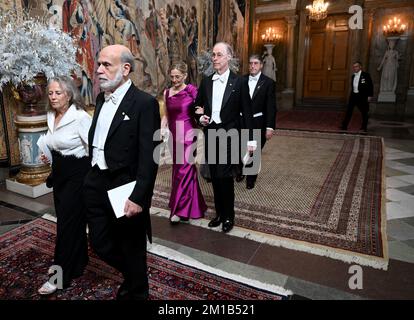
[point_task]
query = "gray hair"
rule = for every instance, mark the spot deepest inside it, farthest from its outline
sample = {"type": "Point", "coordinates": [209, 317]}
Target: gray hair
{"type": "Point", "coordinates": [229, 48]}
{"type": "Point", "coordinates": [68, 85]}
{"type": "Point", "coordinates": [127, 57]}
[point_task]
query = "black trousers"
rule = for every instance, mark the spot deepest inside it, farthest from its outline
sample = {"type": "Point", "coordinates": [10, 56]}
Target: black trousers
{"type": "Point", "coordinates": [361, 102]}
{"type": "Point", "coordinates": [122, 243]}
{"type": "Point", "coordinates": [71, 249]}
{"type": "Point", "coordinates": [222, 173]}
{"type": "Point", "coordinates": [253, 178]}
{"type": "Point", "coordinates": [223, 189]}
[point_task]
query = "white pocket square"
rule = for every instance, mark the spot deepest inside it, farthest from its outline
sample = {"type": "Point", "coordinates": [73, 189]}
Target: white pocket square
{"type": "Point", "coordinates": [126, 118]}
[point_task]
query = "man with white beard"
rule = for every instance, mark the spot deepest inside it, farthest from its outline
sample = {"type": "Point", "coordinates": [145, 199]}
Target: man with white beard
{"type": "Point", "coordinates": [121, 150]}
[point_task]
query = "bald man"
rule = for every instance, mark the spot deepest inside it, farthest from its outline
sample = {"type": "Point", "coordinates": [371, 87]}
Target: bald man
{"type": "Point", "coordinates": [121, 150]}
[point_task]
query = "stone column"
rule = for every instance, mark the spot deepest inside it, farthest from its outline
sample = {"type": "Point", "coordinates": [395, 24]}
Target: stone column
{"type": "Point", "coordinates": [365, 37]}
{"type": "Point", "coordinates": [288, 93]}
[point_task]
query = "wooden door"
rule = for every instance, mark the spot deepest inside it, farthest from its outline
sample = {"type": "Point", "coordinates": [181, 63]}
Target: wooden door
{"type": "Point", "coordinates": [327, 65]}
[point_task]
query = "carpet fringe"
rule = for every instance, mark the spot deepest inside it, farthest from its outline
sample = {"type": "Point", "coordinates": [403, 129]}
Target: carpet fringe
{"type": "Point", "coordinates": [184, 259]}
{"type": "Point", "coordinates": [187, 260]}
{"type": "Point", "coordinates": [338, 254]}
{"type": "Point", "coordinates": [383, 204]}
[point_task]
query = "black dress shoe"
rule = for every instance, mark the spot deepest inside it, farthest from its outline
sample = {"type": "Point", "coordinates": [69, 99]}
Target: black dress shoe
{"type": "Point", "coordinates": [250, 184]}
{"type": "Point", "coordinates": [227, 226]}
{"type": "Point", "coordinates": [214, 223]}
{"type": "Point", "coordinates": [239, 177]}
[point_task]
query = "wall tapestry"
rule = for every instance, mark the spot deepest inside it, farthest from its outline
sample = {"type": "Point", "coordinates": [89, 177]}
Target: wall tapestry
{"type": "Point", "coordinates": [158, 32]}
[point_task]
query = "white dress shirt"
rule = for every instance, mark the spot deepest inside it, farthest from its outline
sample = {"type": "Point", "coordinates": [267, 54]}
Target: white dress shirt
{"type": "Point", "coordinates": [70, 137]}
{"type": "Point", "coordinates": [252, 86]}
{"type": "Point", "coordinates": [219, 87]}
{"type": "Point", "coordinates": [104, 122]}
{"type": "Point", "coordinates": [356, 81]}
{"type": "Point", "coordinates": [253, 83]}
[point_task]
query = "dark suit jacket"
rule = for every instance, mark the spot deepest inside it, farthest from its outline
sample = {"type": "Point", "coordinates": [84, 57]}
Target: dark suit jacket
{"type": "Point", "coordinates": [365, 86]}
{"type": "Point", "coordinates": [129, 146]}
{"type": "Point", "coordinates": [264, 101]}
{"type": "Point", "coordinates": [235, 101]}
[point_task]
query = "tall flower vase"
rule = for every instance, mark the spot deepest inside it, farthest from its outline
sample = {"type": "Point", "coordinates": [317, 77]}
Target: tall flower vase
{"type": "Point", "coordinates": [31, 123]}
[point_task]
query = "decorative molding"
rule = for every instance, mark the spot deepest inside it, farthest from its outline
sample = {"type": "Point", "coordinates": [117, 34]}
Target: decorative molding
{"type": "Point", "coordinates": [272, 6]}
{"type": "Point", "coordinates": [275, 15]}
{"type": "Point", "coordinates": [292, 20]}
{"type": "Point", "coordinates": [372, 4]}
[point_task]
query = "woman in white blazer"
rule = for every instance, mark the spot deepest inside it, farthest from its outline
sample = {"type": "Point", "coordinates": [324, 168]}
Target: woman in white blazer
{"type": "Point", "coordinates": [67, 139]}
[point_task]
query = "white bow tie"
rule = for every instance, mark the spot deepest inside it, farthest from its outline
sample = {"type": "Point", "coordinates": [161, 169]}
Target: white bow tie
{"type": "Point", "coordinates": [216, 76]}
{"type": "Point", "coordinates": [255, 78]}
{"type": "Point", "coordinates": [110, 97]}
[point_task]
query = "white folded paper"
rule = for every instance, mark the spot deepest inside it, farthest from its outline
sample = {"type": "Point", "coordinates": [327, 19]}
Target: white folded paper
{"type": "Point", "coordinates": [119, 196]}
{"type": "Point", "coordinates": [248, 159]}
{"type": "Point", "coordinates": [41, 143]}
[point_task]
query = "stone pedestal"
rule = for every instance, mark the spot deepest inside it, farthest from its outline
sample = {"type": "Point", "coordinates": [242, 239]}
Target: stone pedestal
{"type": "Point", "coordinates": [387, 97]}
{"type": "Point", "coordinates": [26, 190]}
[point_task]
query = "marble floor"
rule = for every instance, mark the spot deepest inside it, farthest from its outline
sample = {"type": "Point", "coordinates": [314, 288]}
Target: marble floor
{"type": "Point", "coordinates": [307, 276]}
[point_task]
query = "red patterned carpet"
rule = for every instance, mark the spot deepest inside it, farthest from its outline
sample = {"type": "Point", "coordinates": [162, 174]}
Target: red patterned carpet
{"type": "Point", "coordinates": [324, 121]}
{"type": "Point", "coordinates": [321, 193]}
{"type": "Point", "coordinates": [27, 252]}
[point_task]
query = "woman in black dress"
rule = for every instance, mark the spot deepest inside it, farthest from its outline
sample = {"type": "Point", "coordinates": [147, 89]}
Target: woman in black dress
{"type": "Point", "coordinates": [67, 139]}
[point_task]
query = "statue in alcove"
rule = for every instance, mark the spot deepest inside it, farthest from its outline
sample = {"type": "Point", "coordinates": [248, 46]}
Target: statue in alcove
{"type": "Point", "coordinates": [389, 76]}
{"type": "Point", "coordinates": [269, 62]}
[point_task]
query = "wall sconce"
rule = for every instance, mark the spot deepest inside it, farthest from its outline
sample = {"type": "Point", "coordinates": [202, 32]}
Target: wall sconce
{"type": "Point", "coordinates": [394, 28]}
{"type": "Point", "coordinates": [271, 35]}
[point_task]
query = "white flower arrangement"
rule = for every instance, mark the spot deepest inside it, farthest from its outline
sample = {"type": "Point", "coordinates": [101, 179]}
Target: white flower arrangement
{"type": "Point", "coordinates": [28, 47]}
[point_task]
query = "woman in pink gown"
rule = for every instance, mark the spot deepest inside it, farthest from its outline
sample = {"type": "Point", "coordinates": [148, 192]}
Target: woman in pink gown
{"type": "Point", "coordinates": [186, 200]}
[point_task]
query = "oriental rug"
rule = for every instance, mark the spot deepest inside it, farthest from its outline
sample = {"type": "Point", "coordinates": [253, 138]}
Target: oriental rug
{"type": "Point", "coordinates": [27, 252]}
{"type": "Point", "coordinates": [321, 193]}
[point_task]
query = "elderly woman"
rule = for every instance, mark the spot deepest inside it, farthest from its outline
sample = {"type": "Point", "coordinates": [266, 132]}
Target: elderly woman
{"type": "Point", "coordinates": [67, 138]}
